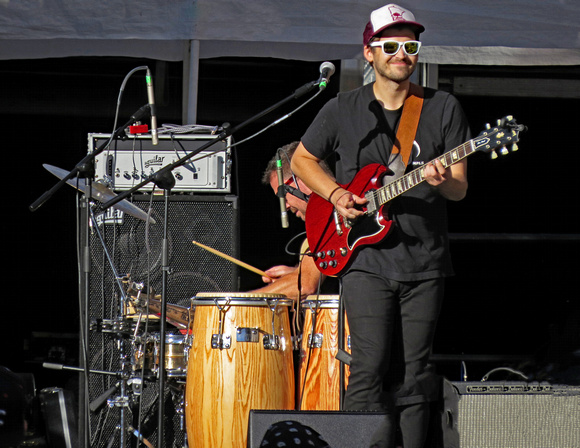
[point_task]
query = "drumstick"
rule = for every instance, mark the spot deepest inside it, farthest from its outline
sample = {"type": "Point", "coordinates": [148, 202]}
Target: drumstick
{"type": "Point", "coordinates": [232, 259]}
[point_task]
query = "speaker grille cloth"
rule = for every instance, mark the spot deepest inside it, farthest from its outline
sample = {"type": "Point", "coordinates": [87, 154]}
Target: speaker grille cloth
{"type": "Point", "coordinates": [526, 421]}
{"type": "Point", "coordinates": [136, 249]}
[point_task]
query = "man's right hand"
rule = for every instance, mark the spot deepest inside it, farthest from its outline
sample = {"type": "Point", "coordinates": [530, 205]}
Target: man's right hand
{"type": "Point", "coordinates": [275, 272]}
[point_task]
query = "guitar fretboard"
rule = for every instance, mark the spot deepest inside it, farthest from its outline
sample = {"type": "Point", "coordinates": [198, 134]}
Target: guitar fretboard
{"type": "Point", "coordinates": [404, 183]}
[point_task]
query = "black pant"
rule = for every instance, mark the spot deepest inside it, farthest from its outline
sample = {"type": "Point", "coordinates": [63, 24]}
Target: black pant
{"type": "Point", "coordinates": [392, 325]}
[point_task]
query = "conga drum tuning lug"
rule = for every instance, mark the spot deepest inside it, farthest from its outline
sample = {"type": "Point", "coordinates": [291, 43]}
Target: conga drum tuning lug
{"type": "Point", "coordinates": [315, 341]}
{"type": "Point", "coordinates": [271, 342]}
{"type": "Point", "coordinates": [220, 341]}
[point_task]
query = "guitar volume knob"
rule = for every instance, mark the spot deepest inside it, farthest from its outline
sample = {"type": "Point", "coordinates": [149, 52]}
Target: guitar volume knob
{"type": "Point", "coordinates": [331, 253]}
{"type": "Point", "coordinates": [323, 265]}
{"type": "Point", "coordinates": [320, 254]}
{"type": "Point", "coordinates": [333, 263]}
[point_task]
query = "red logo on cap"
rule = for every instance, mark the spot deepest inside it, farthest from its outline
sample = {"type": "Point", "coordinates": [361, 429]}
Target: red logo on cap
{"type": "Point", "coordinates": [397, 13]}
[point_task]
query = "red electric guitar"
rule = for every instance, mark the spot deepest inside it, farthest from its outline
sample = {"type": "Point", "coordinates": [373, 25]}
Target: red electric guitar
{"type": "Point", "coordinates": [334, 241]}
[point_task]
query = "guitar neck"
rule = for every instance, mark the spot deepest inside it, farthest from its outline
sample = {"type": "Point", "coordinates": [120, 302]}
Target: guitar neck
{"type": "Point", "coordinates": [404, 183]}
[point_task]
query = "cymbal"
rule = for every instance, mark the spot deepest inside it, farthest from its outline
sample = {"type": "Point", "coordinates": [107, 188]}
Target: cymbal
{"type": "Point", "coordinates": [100, 193]}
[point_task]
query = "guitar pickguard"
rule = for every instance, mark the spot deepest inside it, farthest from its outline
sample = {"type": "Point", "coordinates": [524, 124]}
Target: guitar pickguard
{"type": "Point", "coordinates": [367, 226]}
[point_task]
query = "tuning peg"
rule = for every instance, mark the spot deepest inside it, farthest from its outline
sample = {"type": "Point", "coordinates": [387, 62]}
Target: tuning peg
{"type": "Point", "coordinates": [487, 126]}
{"type": "Point", "coordinates": [503, 151]}
{"type": "Point", "coordinates": [514, 147]}
{"type": "Point", "coordinates": [493, 155]}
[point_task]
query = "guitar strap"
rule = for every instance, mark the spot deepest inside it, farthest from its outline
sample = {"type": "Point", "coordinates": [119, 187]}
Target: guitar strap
{"type": "Point", "coordinates": [407, 129]}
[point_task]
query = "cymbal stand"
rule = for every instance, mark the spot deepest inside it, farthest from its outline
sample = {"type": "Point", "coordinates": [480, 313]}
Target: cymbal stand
{"type": "Point", "coordinates": [126, 383]}
{"type": "Point", "coordinates": [120, 401]}
{"type": "Point", "coordinates": [166, 181]}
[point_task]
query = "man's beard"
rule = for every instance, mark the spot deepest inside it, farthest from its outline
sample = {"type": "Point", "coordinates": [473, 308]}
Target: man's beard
{"type": "Point", "coordinates": [396, 74]}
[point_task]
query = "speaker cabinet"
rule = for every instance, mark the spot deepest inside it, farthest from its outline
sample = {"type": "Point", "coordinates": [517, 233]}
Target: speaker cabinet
{"type": "Point", "coordinates": [340, 429]}
{"type": "Point", "coordinates": [123, 246]}
{"type": "Point", "coordinates": [511, 414]}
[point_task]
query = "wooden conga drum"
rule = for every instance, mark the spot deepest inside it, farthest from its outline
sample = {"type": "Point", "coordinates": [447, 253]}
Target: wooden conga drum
{"type": "Point", "coordinates": [319, 368]}
{"type": "Point", "coordinates": [240, 359]}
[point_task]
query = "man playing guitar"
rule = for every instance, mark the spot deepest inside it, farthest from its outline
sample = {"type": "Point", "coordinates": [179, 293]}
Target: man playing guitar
{"type": "Point", "coordinates": [392, 290]}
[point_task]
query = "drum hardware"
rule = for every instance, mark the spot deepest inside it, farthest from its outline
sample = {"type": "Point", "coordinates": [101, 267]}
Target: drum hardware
{"type": "Point", "coordinates": [270, 341]}
{"type": "Point", "coordinates": [116, 326]}
{"type": "Point", "coordinates": [120, 401]}
{"type": "Point", "coordinates": [296, 341]}
{"type": "Point", "coordinates": [247, 334]}
{"type": "Point", "coordinates": [149, 302]}
{"type": "Point", "coordinates": [223, 341]}
{"type": "Point", "coordinates": [130, 430]}
{"type": "Point", "coordinates": [219, 340]}
{"type": "Point", "coordinates": [136, 385]}
{"type": "Point", "coordinates": [177, 390]}
{"type": "Point", "coordinates": [317, 339]}
{"type": "Point", "coordinates": [140, 436]}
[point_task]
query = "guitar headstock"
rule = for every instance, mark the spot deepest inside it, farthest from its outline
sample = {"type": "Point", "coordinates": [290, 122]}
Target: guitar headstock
{"type": "Point", "coordinates": [503, 136]}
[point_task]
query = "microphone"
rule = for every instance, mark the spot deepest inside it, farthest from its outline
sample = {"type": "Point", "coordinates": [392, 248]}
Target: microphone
{"type": "Point", "coordinates": [282, 193]}
{"type": "Point", "coordinates": [151, 99]}
{"type": "Point", "coordinates": [326, 71]}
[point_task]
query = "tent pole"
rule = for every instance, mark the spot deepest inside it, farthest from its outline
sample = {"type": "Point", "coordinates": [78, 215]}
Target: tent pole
{"type": "Point", "coordinates": [190, 82]}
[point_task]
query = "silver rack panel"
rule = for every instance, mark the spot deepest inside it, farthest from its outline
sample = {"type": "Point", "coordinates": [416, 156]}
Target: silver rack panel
{"type": "Point", "coordinates": [126, 163]}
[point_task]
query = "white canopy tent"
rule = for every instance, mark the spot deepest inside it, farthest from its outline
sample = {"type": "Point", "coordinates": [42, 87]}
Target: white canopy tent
{"type": "Point", "coordinates": [486, 32]}
{"type": "Point", "coordinates": [515, 32]}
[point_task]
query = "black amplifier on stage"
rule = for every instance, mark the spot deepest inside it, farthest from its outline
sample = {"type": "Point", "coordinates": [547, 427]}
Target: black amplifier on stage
{"type": "Point", "coordinates": [126, 163]}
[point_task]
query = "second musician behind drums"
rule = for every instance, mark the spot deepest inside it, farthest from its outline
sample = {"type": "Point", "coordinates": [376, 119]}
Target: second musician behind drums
{"type": "Point", "coordinates": [318, 388]}
{"type": "Point", "coordinates": [302, 280]}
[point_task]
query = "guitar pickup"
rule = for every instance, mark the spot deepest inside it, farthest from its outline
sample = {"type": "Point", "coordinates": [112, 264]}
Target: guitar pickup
{"type": "Point", "coordinates": [372, 201]}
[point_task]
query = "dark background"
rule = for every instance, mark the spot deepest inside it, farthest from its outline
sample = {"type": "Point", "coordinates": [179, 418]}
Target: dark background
{"type": "Point", "coordinates": [513, 301]}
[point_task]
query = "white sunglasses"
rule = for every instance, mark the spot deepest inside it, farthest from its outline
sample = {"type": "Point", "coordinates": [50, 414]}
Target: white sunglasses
{"type": "Point", "coordinates": [391, 47]}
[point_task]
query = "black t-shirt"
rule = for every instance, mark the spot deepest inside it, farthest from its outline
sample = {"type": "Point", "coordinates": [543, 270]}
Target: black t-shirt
{"type": "Point", "coordinates": [360, 131]}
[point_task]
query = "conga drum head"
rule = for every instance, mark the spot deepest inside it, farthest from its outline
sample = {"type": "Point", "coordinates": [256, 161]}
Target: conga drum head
{"type": "Point", "coordinates": [239, 299]}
